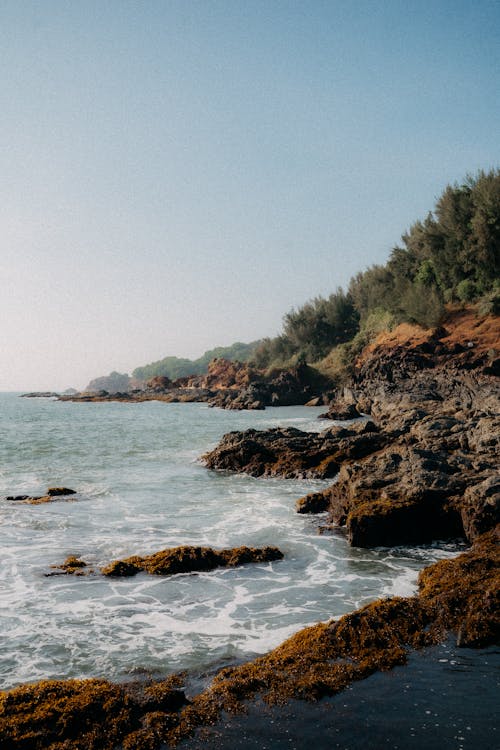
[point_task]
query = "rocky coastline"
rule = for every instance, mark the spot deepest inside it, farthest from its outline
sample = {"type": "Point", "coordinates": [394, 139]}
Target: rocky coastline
{"type": "Point", "coordinates": [422, 466]}
{"type": "Point", "coordinates": [227, 385]}
{"type": "Point", "coordinates": [419, 464]}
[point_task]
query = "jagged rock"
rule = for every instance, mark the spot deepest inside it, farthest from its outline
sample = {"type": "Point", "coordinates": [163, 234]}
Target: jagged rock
{"type": "Point", "coordinates": [227, 384]}
{"type": "Point", "coordinates": [290, 452]}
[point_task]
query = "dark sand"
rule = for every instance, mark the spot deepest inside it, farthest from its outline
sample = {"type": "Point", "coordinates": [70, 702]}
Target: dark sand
{"type": "Point", "coordinates": [445, 698]}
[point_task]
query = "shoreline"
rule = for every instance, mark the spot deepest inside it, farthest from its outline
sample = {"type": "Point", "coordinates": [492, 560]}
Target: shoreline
{"type": "Point", "coordinates": [444, 698]}
{"type": "Point", "coordinates": [424, 469]}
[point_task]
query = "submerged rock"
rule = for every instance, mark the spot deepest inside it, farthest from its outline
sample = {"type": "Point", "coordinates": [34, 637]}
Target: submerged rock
{"type": "Point", "coordinates": [52, 493]}
{"type": "Point", "coordinates": [71, 566]}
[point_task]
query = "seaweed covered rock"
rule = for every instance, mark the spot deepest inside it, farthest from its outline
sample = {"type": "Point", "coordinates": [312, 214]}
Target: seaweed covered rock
{"type": "Point", "coordinates": [189, 559]}
{"type": "Point", "coordinates": [464, 593]}
{"type": "Point", "coordinates": [86, 714]}
{"type": "Point", "coordinates": [71, 566]}
{"type": "Point", "coordinates": [460, 596]}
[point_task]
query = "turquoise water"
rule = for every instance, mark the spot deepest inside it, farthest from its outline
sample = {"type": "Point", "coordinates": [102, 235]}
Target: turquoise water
{"type": "Point", "coordinates": [141, 489]}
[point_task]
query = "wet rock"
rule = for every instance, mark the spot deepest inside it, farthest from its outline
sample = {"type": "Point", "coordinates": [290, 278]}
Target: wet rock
{"type": "Point", "coordinates": [464, 593]}
{"type": "Point", "coordinates": [60, 491]}
{"type": "Point", "coordinates": [83, 714]}
{"type": "Point", "coordinates": [71, 566]}
{"type": "Point", "coordinates": [314, 502]}
{"type": "Point", "coordinates": [458, 596]}
{"type": "Point", "coordinates": [480, 509]}
{"type": "Point", "coordinates": [398, 496]}
{"type": "Point", "coordinates": [290, 452]}
{"type": "Point", "coordinates": [52, 493]}
{"type": "Point", "coordinates": [189, 559]}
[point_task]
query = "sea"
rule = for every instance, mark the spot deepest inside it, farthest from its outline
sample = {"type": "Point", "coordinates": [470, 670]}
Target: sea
{"type": "Point", "coordinates": [142, 488]}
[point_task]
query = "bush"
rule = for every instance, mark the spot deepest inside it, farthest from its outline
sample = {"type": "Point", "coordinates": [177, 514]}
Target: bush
{"type": "Point", "coordinates": [466, 290]}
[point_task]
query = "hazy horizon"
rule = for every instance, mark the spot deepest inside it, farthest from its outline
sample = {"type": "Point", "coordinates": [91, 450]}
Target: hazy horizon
{"type": "Point", "coordinates": [178, 175]}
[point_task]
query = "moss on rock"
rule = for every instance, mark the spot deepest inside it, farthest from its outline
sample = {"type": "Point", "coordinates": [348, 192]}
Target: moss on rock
{"type": "Point", "coordinates": [189, 559]}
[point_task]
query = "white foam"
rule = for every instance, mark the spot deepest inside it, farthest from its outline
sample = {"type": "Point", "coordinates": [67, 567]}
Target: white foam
{"type": "Point", "coordinates": [139, 492]}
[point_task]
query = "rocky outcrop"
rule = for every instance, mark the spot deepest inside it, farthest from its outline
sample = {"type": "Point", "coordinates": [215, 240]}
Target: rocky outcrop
{"type": "Point", "coordinates": [424, 467]}
{"type": "Point", "coordinates": [228, 385]}
{"type": "Point", "coordinates": [292, 453]}
{"type": "Point", "coordinates": [190, 559]}
{"type": "Point", "coordinates": [115, 382]}
{"type": "Point", "coordinates": [185, 559]}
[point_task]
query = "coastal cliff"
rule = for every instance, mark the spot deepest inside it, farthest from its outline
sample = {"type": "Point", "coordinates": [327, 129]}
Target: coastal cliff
{"type": "Point", "coordinates": [425, 465]}
{"type": "Point", "coordinates": [422, 466]}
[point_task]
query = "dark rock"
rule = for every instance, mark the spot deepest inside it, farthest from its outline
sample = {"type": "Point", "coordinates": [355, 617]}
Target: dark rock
{"type": "Point", "coordinates": [480, 509]}
{"type": "Point", "coordinates": [50, 496]}
{"type": "Point", "coordinates": [341, 412]}
{"type": "Point", "coordinates": [290, 452]}
{"type": "Point", "coordinates": [314, 502]}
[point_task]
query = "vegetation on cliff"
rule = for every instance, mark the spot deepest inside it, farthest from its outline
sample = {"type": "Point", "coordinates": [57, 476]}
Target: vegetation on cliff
{"type": "Point", "coordinates": [175, 367]}
{"type": "Point", "coordinates": [451, 256]}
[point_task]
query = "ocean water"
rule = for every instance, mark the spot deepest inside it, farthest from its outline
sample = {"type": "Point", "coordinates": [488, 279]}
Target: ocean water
{"type": "Point", "coordinates": [142, 489]}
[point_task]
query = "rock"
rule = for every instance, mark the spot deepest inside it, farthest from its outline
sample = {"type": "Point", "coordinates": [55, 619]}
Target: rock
{"type": "Point", "coordinates": [159, 383]}
{"type": "Point", "coordinates": [341, 412]}
{"type": "Point", "coordinates": [41, 394]}
{"type": "Point", "coordinates": [121, 569]}
{"type": "Point", "coordinates": [458, 596]}
{"type": "Point", "coordinates": [90, 713]}
{"type": "Point", "coordinates": [480, 509]}
{"type": "Point", "coordinates": [71, 566]}
{"type": "Point", "coordinates": [465, 592]}
{"type": "Point", "coordinates": [314, 502]}
{"type": "Point", "coordinates": [189, 559]}
{"type": "Point", "coordinates": [288, 452]}
{"type": "Point", "coordinates": [52, 493]}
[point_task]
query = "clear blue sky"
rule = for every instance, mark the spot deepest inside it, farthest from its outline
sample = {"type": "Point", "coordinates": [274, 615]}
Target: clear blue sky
{"type": "Point", "coordinates": [176, 175]}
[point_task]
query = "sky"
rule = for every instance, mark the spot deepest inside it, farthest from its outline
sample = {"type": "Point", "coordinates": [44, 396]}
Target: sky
{"type": "Point", "coordinates": [177, 175]}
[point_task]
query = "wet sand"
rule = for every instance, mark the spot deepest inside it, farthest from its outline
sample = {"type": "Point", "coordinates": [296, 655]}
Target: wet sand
{"type": "Point", "coordinates": [445, 698]}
